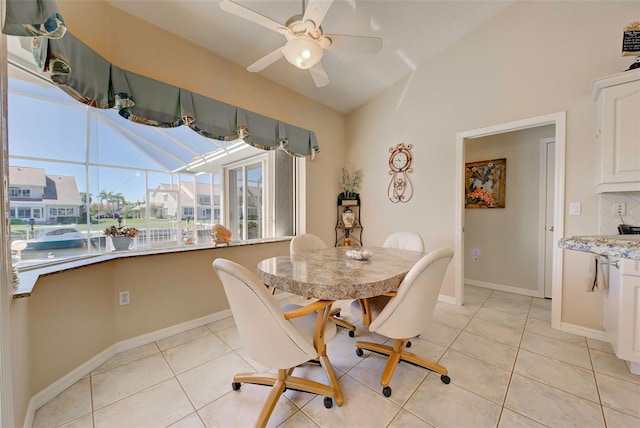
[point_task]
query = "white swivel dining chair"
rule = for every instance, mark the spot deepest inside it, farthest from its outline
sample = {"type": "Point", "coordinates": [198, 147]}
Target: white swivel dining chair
{"type": "Point", "coordinates": [308, 242]}
{"type": "Point", "coordinates": [408, 314]}
{"type": "Point", "coordinates": [277, 337]}
{"type": "Point", "coordinates": [402, 241]}
{"type": "Point", "coordinates": [405, 241]}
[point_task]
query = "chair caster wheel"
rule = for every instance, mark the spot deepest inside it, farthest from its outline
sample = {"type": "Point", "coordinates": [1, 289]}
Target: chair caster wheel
{"type": "Point", "coordinates": [386, 391]}
{"type": "Point", "coordinates": [352, 333]}
{"type": "Point", "coordinates": [328, 402]}
{"type": "Point", "coordinates": [408, 345]}
{"type": "Point", "coordinates": [235, 386]}
{"type": "Point", "coordinates": [359, 352]}
{"type": "Point", "coordinates": [445, 379]}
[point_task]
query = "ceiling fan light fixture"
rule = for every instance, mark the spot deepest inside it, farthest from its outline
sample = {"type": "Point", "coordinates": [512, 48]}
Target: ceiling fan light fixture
{"type": "Point", "coordinates": [303, 52]}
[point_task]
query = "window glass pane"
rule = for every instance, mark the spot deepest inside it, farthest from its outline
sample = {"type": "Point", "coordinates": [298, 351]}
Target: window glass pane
{"type": "Point", "coordinates": [203, 208]}
{"type": "Point", "coordinates": [115, 192]}
{"type": "Point", "coordinates": [236, 207]}
{"type": "Point", "coordinates": [217, 197]}
{"type": "Point", "coordinates": [109, 145]}
{"type": "Point", "coordinates": [47, 211]}
{"type": "Point", "coordinates": [40, 128]}
{"type": "Point", "coordinates": [254, 200]}
{"type": "Point", "coordinates": [164, 217]}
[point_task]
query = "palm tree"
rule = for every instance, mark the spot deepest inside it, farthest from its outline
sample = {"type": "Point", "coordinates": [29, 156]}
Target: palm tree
{"type": "Point", "coordinates": [103, 196]}
{"type": "Point", "coordinates": [86, 198]}
{"type": "Point", "coordinates": [119, 199]}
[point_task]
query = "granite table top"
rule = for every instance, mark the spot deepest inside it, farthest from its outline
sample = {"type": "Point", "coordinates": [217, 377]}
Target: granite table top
{"type": "Point", "coordinates": [623, 246]}
{"type": "Point", "coordinates": [329, 275]}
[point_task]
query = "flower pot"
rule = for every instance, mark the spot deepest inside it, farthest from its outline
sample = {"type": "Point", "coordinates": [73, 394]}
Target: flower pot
{"type": "Point", "coordinates": [120, 243]}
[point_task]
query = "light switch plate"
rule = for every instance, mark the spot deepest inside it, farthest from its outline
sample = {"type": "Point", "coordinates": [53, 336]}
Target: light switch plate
{"type": "Point", "coordinates": [575, 208]}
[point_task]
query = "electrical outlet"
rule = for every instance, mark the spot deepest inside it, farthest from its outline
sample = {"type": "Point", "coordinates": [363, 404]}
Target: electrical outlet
{"type": "Point", "coordinates": [124, 298]}
{"type": "Point", "coordinates": [619, 208]}
{"type": "Point", "coordinates": [476, 254]}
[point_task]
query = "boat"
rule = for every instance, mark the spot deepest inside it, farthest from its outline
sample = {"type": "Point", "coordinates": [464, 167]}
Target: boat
{"type": "Point", "coordinates": [57, 237]}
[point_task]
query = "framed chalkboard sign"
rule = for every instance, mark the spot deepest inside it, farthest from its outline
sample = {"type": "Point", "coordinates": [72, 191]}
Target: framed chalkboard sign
{"type": "Point", "coordinates": [631, 40]}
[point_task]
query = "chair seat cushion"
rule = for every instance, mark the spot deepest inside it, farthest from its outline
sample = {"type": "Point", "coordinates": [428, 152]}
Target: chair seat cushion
{"type": "Point", "coordinates": [307, 324]}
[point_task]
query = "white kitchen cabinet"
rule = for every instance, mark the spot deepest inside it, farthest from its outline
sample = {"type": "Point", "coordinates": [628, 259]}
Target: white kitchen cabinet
{"type": "Point", "coordinates": [617, 100]}
{"type": "Point", "coordinates": [622, 311]}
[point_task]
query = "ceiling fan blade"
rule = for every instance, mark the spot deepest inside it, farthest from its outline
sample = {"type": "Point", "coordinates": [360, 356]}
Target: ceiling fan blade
{"type": "Point", "coordinates": [319, 75]}
{"type": "Point", "coordinates": [250, 15]}
{"type": "Point", "coordinates": [266, 61]}
{"type": "Point", "coordinates": [315, 13]}
{"type": "Point", "coordinates": [364, 44]}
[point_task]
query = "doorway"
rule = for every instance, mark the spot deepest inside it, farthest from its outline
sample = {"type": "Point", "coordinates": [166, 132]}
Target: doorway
{"type": "Point", "coordinates": [559, 121]}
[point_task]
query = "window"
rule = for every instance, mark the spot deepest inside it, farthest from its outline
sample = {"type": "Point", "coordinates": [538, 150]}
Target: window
{"type": "Point", "coordinates": [108, 171]}
{"type": "Point", "coordinates": [246, 199]}
{"type": "Point", "coordinates": [17, 192]}
{"type": "Point", "coordinates": [187, 212]}
{"type": "Point", "coordinates": [24, 212]}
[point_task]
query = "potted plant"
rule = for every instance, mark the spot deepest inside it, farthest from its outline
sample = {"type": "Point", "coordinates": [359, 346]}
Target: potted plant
{"type": "Point", "coordinates": [121, 236]}
{"type": "Point", "coordinates": [350, 183]}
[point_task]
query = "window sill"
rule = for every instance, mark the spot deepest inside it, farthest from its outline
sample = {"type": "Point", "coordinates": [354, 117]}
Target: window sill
{"type": "Point", "coordinates": [28, 277]}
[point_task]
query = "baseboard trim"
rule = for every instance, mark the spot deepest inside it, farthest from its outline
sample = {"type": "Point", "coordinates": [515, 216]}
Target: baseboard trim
{"type": "Point", "coordinates": [51, 391]}
{"type": "Point", "coordinates": [501, 287]}
{"type": "Point", "coordinates": [591, 333]}
{"type": "Point", "coordinates": [447, 299]}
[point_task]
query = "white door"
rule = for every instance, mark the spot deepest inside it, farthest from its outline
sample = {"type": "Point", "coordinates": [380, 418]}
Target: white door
{"type": "Point", "coordinates": [549, 148]}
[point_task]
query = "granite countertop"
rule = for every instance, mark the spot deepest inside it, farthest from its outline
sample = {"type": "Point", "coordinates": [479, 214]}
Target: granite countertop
{"type": "Point", "coordinates": [624, 246]}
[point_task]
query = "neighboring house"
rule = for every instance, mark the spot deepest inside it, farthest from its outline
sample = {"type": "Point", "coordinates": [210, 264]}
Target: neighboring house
{"type": "Point", "coordinates": [167, 199]}
{"type": "Point", "coordinates": [44, 198]}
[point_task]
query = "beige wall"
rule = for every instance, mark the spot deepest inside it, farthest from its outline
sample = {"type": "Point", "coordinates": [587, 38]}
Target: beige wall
{"type": "Point", "coordinates": [507, 238]}
{"type": "Point", "coordinates": [74, 315]}
{"type": "Point", "coordinates": [535, 58]}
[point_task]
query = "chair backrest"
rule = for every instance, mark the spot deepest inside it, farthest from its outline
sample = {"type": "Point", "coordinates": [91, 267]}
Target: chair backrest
{"type": "Point", "coordinates": [405, 241]}
{"type": "Point", "coordinates": [305, 243]}
{"type": "Point", "coordinates": [409, 313]}
{"type": "Point", "coordinates": [268, 337]}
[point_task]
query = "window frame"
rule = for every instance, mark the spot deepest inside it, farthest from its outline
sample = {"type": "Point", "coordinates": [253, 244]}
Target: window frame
{"type": "Point", "coordinates": [267, 201]}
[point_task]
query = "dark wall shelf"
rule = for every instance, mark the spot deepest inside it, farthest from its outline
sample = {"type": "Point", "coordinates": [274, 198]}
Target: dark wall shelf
{"type": "Point", "coordinates": [348, 234]}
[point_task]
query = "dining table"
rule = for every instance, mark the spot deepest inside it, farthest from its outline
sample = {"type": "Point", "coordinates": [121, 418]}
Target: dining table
{"type": "Point", "coordinates": [330, 275]}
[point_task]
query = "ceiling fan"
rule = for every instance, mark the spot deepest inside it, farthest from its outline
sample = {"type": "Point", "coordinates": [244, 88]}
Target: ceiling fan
{"type": "Point", "coordinates": [306, 41]}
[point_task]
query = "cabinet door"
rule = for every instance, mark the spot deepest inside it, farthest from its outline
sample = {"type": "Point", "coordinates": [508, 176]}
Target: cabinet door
{"type": "Point", "coordinates": [612, 306]}
{"type": "Point", "coordinates": [629, 335]}
{"type": "Point", "coordinates": [619, 135]}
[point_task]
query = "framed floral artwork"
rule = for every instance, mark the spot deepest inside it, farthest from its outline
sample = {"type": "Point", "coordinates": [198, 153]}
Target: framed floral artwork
{"type": "Point", "coordinates": [485, 183]}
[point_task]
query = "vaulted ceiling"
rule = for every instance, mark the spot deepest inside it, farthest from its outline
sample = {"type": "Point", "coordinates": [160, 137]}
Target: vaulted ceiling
{"type": "Point", "coordinates": [413, 32]}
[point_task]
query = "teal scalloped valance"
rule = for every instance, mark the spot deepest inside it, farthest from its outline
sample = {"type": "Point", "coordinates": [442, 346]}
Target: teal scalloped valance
{"type": "Point", "coordinates": [91, 79]}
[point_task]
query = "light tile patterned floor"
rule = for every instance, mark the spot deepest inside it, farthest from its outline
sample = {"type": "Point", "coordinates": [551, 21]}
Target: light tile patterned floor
{"type": "Point", "coordinates": [508, 369]}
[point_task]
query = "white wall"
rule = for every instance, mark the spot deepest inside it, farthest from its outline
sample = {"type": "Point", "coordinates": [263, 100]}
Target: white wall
{"type": "Point", "coordinates": [609, 222]}
{"type": "Point", "coordinates": [507, 238]}
{"type": "Point", "coordinates": [534, 59]}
